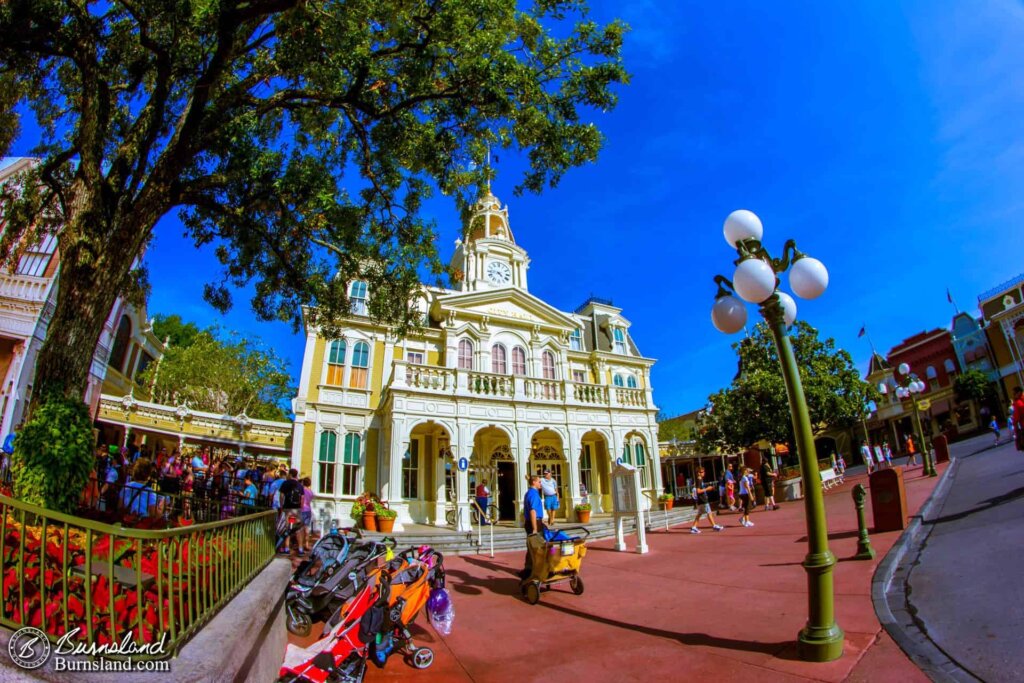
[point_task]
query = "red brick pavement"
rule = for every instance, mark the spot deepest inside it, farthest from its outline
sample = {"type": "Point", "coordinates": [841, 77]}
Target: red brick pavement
{"type": "Point", "coordinates": [724, 605]}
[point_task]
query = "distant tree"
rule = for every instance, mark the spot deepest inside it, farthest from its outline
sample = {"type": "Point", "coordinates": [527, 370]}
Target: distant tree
{"type": "Point", "coordinates": [300, 138]}
{"type": "Point", "coordinates": [671, 428]}
{"type": "Point", "coordinates": [177, 333]}
{"type": "Point", "coordinates": [974, 385]}
{"type": "Point", "coordinates": [756, 405]}
{"type": "Point", "coordinates": [225, 374]}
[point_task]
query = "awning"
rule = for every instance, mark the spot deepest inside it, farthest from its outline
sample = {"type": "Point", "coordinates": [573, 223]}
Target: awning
{"type": "Point", "coordinates": [781, 449]}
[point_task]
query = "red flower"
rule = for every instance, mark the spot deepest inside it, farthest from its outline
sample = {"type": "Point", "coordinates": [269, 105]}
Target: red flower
{"type": "Point", "coordinates": [75, 606]}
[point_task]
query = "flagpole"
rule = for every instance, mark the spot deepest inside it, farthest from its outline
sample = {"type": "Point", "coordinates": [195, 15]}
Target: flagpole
{"type": "Point", "coordinates": [864, 331]}
{"type": "Point", "coordinates": [949, 297]}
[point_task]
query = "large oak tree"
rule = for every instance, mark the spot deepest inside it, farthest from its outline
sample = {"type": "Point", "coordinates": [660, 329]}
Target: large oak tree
{"type": "Point", "coordinates": [755, 406]}
{"type": "Point", "coordinates": [297, 138]}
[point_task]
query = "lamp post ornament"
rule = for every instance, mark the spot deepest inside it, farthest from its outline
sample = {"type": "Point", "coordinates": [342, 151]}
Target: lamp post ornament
{"type": "Point", "coordinates": [756, 280]}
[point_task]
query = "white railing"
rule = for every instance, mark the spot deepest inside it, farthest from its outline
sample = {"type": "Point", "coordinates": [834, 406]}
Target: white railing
{"type": "Point", "coordinates": [489, 384]}
{"type": "Point", "coordinates": [432, 379]}
{"type": "Point", "coordinates": [480, 517]}
{"type": "Point", "coordinates": [630, 397]}
{"type": "Point", "coordinates": [543, 389]}
{"type": "Point", "coordinates": [24, 287]}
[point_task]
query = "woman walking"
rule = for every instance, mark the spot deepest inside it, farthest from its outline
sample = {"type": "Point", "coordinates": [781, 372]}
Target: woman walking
{"type": "Point", "coordinates": [747, 499]}
{"type": "Point", "coordinates": [768, 476]}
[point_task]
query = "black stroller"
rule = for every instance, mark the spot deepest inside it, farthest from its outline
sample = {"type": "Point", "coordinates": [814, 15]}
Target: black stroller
{"type": "Point", "coordinates": [336, 569]}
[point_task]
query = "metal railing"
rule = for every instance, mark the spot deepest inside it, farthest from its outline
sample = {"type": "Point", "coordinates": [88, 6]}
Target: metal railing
{"type": "Point", "coordinates": [481, 515]}
{"type": "Point", "coordinates": [62, 572]}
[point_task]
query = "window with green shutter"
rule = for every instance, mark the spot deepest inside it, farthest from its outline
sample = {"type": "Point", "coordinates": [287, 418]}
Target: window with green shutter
{"type": "Point", "coordinates": [350, 465]}
{"type": "Point", "coordinates": [327, 462]}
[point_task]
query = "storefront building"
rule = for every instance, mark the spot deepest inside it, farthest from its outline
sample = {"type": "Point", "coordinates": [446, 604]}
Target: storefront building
{"type": "Point", "coordinates": [496, 379]}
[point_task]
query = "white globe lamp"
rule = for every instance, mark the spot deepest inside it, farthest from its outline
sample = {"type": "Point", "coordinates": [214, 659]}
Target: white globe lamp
{"type": "Point", "coordinates": [754, 280]}
{"type": "Point", "coordinates": [882, 389]}
{"type": "Point", "coordinates": [788, 308]}
{"type": "Point", "coordinates": [808, 278]}
{"type": "Point", "coordinates": [742, 225]}
{"type": "Point", "coordinates": [729, 314]}
{"type": "Point", "coordinates": [904, 369]}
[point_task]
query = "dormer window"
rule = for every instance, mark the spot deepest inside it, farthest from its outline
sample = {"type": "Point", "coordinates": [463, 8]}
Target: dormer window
{"type": "Point", "coordinates": [619, 337]}
{"type": "Point", "coordinates": [576, 340]}
{"type": "Point", "coordinates": [357, 298]}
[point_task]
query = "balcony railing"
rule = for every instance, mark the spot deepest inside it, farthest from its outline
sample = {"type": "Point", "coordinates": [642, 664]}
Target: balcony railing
{"type": "Point", "coordinates": [24, 288]}
{"type": "Point", "coordinates": [456, 382]}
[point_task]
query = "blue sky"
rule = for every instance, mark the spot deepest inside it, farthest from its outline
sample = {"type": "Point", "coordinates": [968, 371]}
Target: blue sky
{"type": "Point", "coordinates": [886, 138]}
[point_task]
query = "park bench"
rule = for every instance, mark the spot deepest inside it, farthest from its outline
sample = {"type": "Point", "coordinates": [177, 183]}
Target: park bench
{"type": "Point", "coordinates": [830, 478]}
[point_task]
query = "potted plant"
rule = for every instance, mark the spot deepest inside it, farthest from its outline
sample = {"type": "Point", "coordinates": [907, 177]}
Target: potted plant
{"type": "Point", "coordinates": [583, 512]}
{"type": "Point", "coordinates": [365, 510]}
{"type": "Point", "coordinates": [385, 519]}
{"type": "Point", "coordinates": [666, 499]}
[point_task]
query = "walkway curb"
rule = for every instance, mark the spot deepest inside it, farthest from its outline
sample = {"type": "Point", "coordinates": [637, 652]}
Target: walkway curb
{"type": "Point", "coordinates": [888, 592]}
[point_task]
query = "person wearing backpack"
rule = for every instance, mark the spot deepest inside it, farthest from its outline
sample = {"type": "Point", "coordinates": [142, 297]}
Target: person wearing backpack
{"type": "Point", "coordinates": [291, 503]}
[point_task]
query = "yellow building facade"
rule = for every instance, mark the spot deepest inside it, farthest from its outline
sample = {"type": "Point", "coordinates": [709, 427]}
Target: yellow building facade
{"type": "Point", "coordinates": [495, 385]}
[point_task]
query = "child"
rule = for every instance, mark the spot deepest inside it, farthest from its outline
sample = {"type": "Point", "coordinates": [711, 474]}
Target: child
{"type": "Point", "coordinates": [994, 426]}
{"type": "Point", "coordinates": [700, 495]}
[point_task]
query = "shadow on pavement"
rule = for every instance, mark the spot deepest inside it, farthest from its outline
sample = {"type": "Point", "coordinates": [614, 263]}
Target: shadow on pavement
{"type": "Point", "coordinates": [493, 566]}
{"type": "Point", "coordinates": [470, 585]}
{"type": "Point", "coordinates": [782, 650]}
{"type": "Point", "coordinates": [983, 505]}
{"type": "Point", "coordinates": [835, 536]}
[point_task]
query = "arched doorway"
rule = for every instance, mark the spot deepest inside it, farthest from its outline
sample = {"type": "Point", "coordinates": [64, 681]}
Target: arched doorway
{"type": "Point", "coordinates": [425, 463]}
{"type": "Point", "coordinates": [546, 453]}
{"type": "Point", "coordinates": [493, 463]}
{"type": "Point", "coordinates": [595, 470]}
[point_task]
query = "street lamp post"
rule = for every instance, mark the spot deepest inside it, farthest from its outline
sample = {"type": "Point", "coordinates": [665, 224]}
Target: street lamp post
{"type": "Point", "coordinates": [909, 387]}
{"type": "Point", "coordinates": [756, 280]}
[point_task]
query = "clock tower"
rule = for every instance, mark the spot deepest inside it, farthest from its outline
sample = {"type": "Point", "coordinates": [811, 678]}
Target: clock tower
{"type": "Point", "coordinates": [489, 258]}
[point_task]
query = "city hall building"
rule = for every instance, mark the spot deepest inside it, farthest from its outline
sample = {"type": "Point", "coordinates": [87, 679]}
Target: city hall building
{"type": "Point", "coordinates": [496, 380]}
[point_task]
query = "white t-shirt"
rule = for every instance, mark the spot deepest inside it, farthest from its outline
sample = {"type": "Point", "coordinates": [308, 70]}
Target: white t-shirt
{"type": "Point", "coordinates": [549, 486]}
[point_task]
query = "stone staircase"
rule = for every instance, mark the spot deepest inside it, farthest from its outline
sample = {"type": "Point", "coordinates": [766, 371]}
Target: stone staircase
{"type": "Point", "coordinates": [508, 538]}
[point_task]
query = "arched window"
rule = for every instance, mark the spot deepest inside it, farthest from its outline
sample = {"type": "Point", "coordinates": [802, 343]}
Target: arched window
{"type": "Point", "coordinates": [465, 355]}
{"type": "Point", "coordinates": [619, 335]}
{"type": "Point", "coordinates": [547, 364]}
{"type": "Point", "coordinates": [518, 360]}
{"type": "Point", "coordinates": [630, 382]}
{"type": "Point", "coordinates": [948, 364]}
{"type": "Point", "coordinates": [336, 362]}
{"type": "Point", "coordinates": [350, 464]}
{"type": "Point", "coordinates": [618, 381]}
{"type": "Point", "coordinates": [121, 342]}
{"type": "Point", "coordinates": [357, 297]}
{"type": "Point", "coordinates": [499, 360]}
{"type": "Point", "coordinates": [327, 463]}
{"type": "Point", "coordinates": [930, 372]}
{"type": "Point", "coordinates": [360, 363]}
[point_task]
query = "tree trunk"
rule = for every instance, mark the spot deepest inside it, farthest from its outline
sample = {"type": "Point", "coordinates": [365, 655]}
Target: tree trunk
{"type": "Point", "coordinates": [93, 270]}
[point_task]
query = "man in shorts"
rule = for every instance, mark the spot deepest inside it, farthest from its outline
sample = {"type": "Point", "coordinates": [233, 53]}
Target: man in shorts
{"type": "Point", "coordinates": [700, 494]}
{"type": "Point", "coordinates": [549, 487]}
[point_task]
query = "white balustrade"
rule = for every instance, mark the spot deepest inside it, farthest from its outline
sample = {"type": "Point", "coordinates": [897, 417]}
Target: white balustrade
{"type": "Point", "coordinates": [24, 287]}
{"type": "Point", "coordinates": [489, 384]}
{"type": "Point", "coordinates": [594, 394]}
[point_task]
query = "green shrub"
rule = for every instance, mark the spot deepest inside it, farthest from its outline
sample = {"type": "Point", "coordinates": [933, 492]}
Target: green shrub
{"type": "Point", "coordinates": [53, 455]}
{"type": "Point", "coordinates": [386, 513]}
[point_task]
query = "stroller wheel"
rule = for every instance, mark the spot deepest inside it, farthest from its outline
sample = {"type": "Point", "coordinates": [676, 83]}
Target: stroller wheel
{"type": "Point", "coordinates": [423, 657]}
{"type": "Point", "coordinates": [532, 593]}
{"type": "Point", "coordinates": [576, 583]}
{"type": "Point", "coordinates": [299, 623]}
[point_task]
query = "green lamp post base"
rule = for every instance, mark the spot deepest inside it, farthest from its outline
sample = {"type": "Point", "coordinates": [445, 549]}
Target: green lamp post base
{"type": "Point", "coordinates": [820, 644]}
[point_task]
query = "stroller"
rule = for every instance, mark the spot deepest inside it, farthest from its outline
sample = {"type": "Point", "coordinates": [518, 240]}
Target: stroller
{"type": "Point", "coordinates": [336, 569]}
{"type": "Point", "coordinates": [372, 625]}
{"type": "Point", "coordinates": [557, 558]}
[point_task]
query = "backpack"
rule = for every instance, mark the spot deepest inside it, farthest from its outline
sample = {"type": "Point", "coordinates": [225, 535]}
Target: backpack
{"type": "Point", "coordinates": [293, 497]}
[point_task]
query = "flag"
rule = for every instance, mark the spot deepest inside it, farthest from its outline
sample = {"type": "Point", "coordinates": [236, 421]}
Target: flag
{"type": "Point", "coordinates": [863, 331]}
{"type": "Point", "coordinates": [949, 297]}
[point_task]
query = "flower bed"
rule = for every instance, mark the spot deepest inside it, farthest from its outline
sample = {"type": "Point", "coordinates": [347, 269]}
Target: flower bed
{"type": "Point", "coordinates": [61, 573]}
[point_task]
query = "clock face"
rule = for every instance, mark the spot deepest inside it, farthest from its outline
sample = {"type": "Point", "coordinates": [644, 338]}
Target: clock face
{"type": "Point", "coordinates": [499, 273]}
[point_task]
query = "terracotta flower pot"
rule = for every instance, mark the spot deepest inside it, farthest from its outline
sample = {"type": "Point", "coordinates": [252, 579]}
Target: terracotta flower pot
{"type": "Point", "coordinates": [584, 516]}
{"type": "Point", "coordinates": [370, 521]}
{"type": "Point", "coordinates": [385, 525]}
{"type": "Point", "coordinates": [668, 504]}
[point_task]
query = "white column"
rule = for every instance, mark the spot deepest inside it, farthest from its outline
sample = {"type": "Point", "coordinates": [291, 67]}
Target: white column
{"type": "Point", "coordinates": [464, 450]}
{"type": "Point", "coordinates": [654, 456]}
{"type": "Point", "coordinates": [439, 492]}
{"type": "Point", "coordinates": [572, 456]}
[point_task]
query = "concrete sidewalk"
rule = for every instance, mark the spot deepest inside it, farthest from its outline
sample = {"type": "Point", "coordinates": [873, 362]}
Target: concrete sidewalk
{"type": "Point", "coordinates": [724, 605]}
